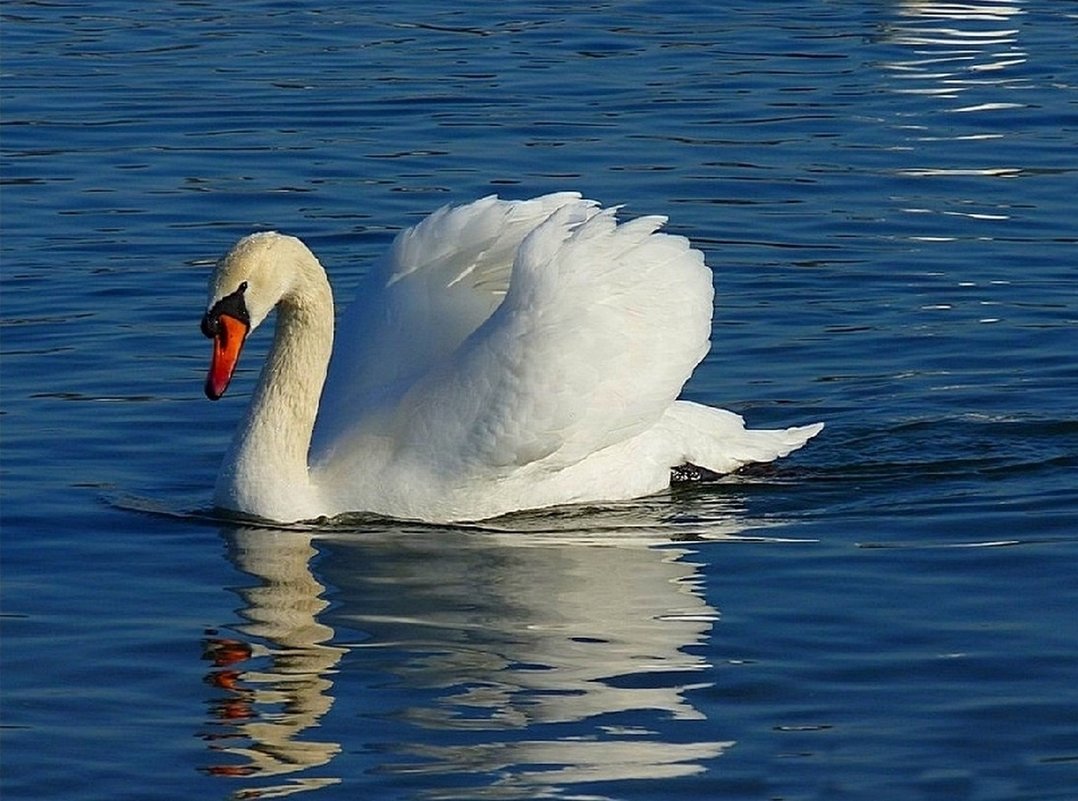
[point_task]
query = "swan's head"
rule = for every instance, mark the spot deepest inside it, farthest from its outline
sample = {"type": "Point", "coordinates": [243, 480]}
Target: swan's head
{"type": "Point", "coordinates": [247, 283]}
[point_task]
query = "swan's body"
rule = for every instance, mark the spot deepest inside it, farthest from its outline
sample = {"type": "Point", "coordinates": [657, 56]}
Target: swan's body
{"type": "Point", "coordinates": [506, 355]}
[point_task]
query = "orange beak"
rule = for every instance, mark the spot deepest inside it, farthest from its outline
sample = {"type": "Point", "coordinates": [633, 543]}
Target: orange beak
{"type": "Point", "coordinates": [228, 339]}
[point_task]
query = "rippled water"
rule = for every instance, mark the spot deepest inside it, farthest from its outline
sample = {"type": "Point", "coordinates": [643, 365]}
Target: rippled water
{"type": "Point", "coordinates": [885, 191]}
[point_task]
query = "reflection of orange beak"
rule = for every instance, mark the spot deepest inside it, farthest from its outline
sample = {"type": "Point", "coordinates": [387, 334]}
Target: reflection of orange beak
{"type": "Point", "coordinates": [227, 343]}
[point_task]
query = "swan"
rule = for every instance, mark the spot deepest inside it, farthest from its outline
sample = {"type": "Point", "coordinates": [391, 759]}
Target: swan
{"type": "Point", "coordinates": [505, 355]}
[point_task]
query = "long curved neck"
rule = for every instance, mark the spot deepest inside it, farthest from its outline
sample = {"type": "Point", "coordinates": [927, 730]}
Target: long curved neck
{"type": "Point", "coordinates": [271, 445]}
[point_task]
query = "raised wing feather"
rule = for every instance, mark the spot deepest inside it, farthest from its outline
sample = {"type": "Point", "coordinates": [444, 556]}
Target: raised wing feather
{"type": "Point", "coordinates": [601, 326]}
{"type": "Point", "coordinates": [441, 279]}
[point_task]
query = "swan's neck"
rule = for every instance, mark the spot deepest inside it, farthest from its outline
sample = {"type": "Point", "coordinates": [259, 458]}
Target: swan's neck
{"type": "Point", "coordinates": [265, 471]}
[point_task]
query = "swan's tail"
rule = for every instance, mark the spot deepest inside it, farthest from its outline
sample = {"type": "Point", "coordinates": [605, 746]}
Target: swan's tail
{"type": "Point", "coordinates": [717, 440]}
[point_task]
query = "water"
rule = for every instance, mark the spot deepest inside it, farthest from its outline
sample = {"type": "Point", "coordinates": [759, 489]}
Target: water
{"type": "Point", "coordinates": [885, 191]}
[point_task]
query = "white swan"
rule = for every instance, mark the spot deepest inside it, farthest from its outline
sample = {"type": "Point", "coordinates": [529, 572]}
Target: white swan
{"type": "Point", "coordinates": [506, 355]}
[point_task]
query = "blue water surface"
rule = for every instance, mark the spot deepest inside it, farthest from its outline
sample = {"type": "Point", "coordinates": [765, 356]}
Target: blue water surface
{"type": "Point", "coordinates": [886, 194]}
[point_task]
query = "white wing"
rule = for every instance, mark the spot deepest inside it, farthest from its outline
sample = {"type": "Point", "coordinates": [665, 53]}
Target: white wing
{"type": "Point", "coordinates": [516, 355]}
{"type": "Point", "coordinates": [601, 326]}
{"type": "Point", "coordinates": [441, 279]}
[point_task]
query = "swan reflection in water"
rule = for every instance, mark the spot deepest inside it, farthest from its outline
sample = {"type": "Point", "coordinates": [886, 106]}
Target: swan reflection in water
{"type": "Point", "coordinates": [275, 679]}
{"type": "Point", "coordinates": [518, 663]}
